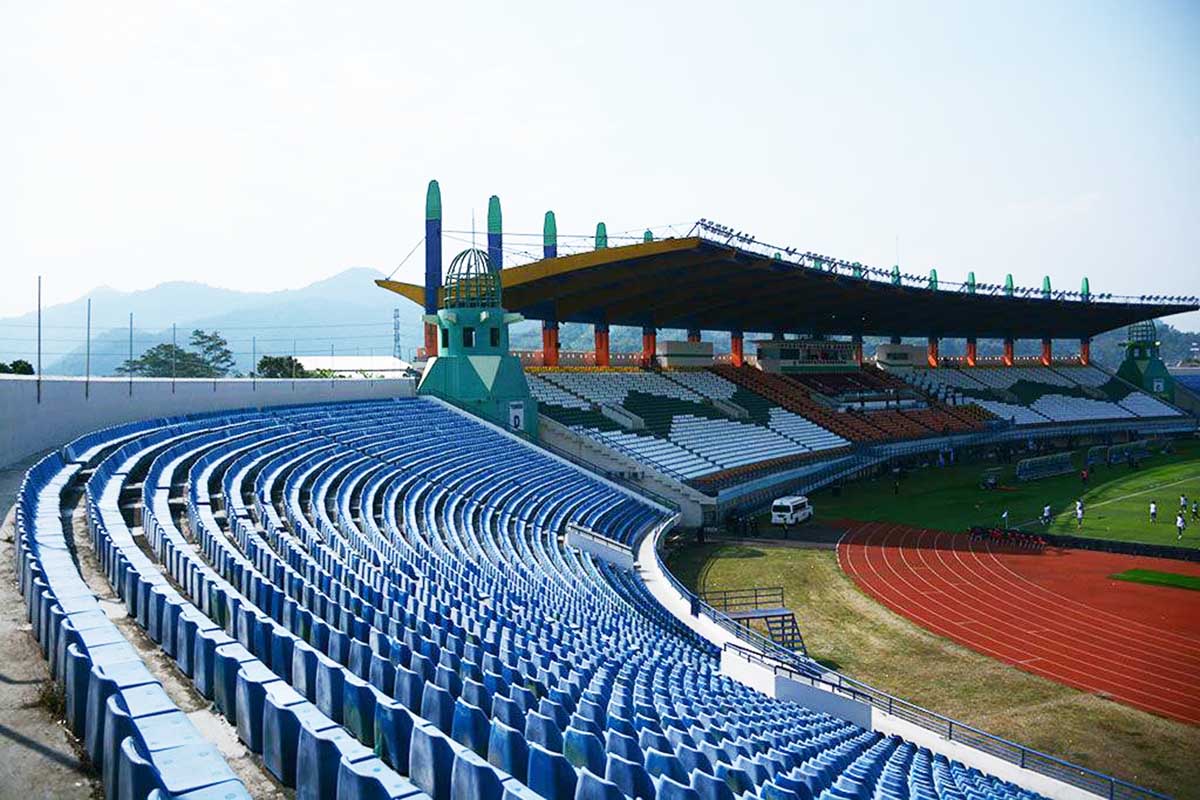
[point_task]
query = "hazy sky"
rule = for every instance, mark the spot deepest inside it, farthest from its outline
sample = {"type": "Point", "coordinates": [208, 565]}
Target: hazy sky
{"type": "Point", "coordinates": [264, 145]}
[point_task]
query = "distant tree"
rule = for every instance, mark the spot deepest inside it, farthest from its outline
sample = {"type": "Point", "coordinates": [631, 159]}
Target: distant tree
{"type": "Point", "coordinates": [214, 350]}
{"type": "Point", "coordinates": [167, 360]}
{"type": "Point", "coordinates": [21, 367]}
{"type": "Point", "coordinates": [5, 369]}
{"type": "Point", "coordinates": [281, 367]}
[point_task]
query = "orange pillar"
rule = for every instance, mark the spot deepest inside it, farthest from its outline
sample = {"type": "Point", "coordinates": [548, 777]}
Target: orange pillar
{"type": "Point", "coordinates": [693, 334]}
{"type": "Point", "coordinates": [735, 348]}
{"type": "Point", "coordinates": [431, 340]}
{"type": "Point", "coordinates": [1008, 352]}
{"type": "Point", "coordinates": [933, 351]}
{"type": "Point", "coordinates": [858, 351]}
{"type": "Point", "coordinates": [972, 352]}
{"type": "Point", "coordinates": [601, 344]}
{"type": "Point", "coordinates": [549, 344]}
{"type": "Point", "coordinates": [1085, 351]}
{"type": "Point", "coordinates": [1047, 353]}
{"type": "Point", "coordinates": [649, 340]}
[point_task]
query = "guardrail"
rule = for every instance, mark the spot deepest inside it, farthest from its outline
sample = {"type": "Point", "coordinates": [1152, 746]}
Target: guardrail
{"type": "Point", "coordinates": [755, 597]}
{"type": "Point", "coordinates": [801, 667]}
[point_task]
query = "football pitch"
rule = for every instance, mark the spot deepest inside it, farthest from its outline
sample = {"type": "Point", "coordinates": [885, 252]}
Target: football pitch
{"type": "Point", "coordinates": [1116, 499]}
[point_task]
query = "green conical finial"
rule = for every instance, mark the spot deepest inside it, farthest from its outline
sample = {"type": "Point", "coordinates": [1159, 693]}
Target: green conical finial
{"type": "Point", "coordinates": [494, 224]}
{"type": "Point", "coordinates": [1008, 284]}
{"type": "Point", "coordinates": [971, 282]}
{"type": "Point", "coordinates": [433, 201]}
{"type": "Point", "coordinates": [896, 274]}
{"type": "Point", "coordinates": [933, 279]}
{"type": "Point", "coordinates": [1046, 287]}
{"type": "Point", "coordinates": [601, 236]}
{"type": "Point", "coordinates": [856, 267]}
{"type": "Point", "coordinates": [1085, 289]}
{"type": "Point", "coordinates": [549, 231]}
{"type": "Point", "coordinates": [778, 256]}
{"type": "Point", "coordinates": [647, 236]}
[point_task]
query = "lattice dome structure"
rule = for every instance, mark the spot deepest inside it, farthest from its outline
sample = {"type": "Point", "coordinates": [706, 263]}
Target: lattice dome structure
{"type": "Point", "coordinates": [1142, 332]}
{"type": "Point", "coordinates": [470, 282]}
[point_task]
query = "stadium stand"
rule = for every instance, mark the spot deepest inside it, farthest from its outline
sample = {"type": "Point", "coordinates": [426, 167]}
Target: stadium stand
{"type": "Point", "coordinates": [1034, 395]}
{"type": "Point", "coordinates": [690, 430]}
{"type": "Point", "coordinates": [376, 596]}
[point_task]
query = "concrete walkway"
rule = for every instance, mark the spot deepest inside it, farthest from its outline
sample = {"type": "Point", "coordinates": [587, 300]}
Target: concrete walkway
{"type": "Point", "coordinates": [38, 757]}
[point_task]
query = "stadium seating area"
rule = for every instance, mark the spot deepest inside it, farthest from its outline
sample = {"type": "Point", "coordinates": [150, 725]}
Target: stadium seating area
{"type": "Point", "coordinates": [690, 428]}
{"type": "Point", "coordinates": [376, 597]}
{"type": "Point", "coordinates": [795, 393]}
{"type": "Point", "coordinates": [1036, 394]}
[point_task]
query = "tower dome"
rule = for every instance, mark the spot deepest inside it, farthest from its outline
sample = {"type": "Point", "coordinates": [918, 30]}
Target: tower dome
{"type": "Point", "coordinates": [1142, 332]}
{"type": "Point", "coordinates": [470, 282]}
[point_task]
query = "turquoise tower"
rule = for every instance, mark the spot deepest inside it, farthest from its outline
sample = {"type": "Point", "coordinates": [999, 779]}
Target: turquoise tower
{"type": "Point", "coordinates": [1143, 367]}
{"type": "Point", "coordinates": [474, 369]}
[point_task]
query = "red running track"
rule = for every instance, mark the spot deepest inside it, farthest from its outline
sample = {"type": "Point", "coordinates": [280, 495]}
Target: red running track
{"type": "Point", "coordinates": [1055, 613]}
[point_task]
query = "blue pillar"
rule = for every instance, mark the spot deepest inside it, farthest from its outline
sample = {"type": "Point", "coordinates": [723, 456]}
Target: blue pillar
{"type": "Point", "coordinates": [549, 236]}
{"type": "Point", "coordinates": [433, 262]}
{"type": "Point", "coordinates": [495, 237]}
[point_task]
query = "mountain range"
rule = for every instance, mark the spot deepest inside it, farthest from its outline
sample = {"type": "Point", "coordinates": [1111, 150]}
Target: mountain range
{"type": "Point", "coordinates": [346, 312]}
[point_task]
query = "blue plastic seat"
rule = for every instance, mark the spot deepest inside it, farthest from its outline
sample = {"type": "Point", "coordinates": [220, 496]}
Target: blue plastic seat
{"type": "Point", "coordinates": [507, 750]}
{"type": "Point", "coordinates": [550, 774]}
{"type": "Point", "coordinates": [591, 787]}
{"type": "Point", "coordinates": [542, 730]}
{"type": "Point", "coordinates": [470, 727]}
{"type": "Point", "coordinates": [584, 750]}
{"type": "Point", "coordinates": [710, 787]}
{"type": "Point", "coordinates": [631, 776]}
{"type": "Point", "coordinates": [437, 706]}
{"type": "Point", "coordinates": [430, 761]}
{"type": "Point", "coordinates": [472, 778]}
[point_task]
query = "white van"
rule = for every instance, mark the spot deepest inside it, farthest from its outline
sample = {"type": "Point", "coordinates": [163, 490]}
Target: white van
{"type": "Point", "coordinates": [791, 510]}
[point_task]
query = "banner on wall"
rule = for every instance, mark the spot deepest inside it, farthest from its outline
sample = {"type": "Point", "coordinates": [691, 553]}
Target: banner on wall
{"type": "Point", "coordinates": [516, 415]}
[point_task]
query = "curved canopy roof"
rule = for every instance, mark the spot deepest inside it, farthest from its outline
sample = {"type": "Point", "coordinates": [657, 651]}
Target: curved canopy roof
{"type": "Point", "coordinates": [695, 282]}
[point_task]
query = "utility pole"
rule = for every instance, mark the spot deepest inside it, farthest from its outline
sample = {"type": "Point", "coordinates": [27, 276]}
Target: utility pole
{"type": "Point", "coordinates": [39, 342]}
{"type": "Point", "coordinates": [87, 349]}
{"type": "Point", "coordinates": [130, 362]}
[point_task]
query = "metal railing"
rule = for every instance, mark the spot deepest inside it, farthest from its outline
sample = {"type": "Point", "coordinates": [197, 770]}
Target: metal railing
{"type": "Point", "coordinates": [711, 231]}
{"type": "Point", "coordinates": [752, 598]}
{"type": "Point", "coordinates": [801, 667]}
{"type": "Point", "coordinates": [954, 730]}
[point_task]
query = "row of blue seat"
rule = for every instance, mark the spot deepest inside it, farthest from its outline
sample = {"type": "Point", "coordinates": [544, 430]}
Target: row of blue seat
{"type": "Point", "coordinates": [378, 597]}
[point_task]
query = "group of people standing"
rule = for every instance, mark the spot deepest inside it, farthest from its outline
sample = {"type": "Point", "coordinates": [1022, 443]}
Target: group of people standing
{"type": "Point", "coordinates": [1181, 522]}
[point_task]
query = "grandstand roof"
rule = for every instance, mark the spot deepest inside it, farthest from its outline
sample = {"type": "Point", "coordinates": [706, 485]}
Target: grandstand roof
{"type": "Point", "coordinates": [695, 282]}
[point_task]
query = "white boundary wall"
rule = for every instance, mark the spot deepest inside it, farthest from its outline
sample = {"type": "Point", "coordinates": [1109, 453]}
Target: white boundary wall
{"type": "Point", "coordinates": [69, 409]}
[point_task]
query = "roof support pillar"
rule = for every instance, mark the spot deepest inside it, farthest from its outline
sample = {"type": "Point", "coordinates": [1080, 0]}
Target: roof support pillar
{"type": "Point", "coordinates": [550, 343]}
{"type": "Point", "coordinates": [972, 351]}
{"type": "Point", "coordinates": [858, 348]}
{"type": "Point", "coordinates": [601, 329]}
{"type": "Point", "coordinates": [433, 262]}
{"type": "Point", "coordinates": [693, 334]}
{"type": "Point", "coordinates": [736, 353]}
{"type": "Point", "coordinates": [895, 340]}
{"type": "Point", "coordinates": [649, 343]}
{"type": "Point", "coordinates": [1085, 351]}
{"type": "Point", "coordinates": [1047, 352]}
{"type": "Point", "coordinates": [495, 237]}
{"type": "Point", "coordinates": [932, 353]}
{"type": "Point", "coordinates": [1008, 352]}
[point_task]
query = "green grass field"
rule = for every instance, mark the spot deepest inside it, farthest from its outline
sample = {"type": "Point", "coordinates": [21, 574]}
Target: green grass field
{"type": "Point", "coordinates": [1117, 499]}
{"type": "Point", "coordinates": [1156, 578]}
{"type": "Point", "coordinates": [847, 630]}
